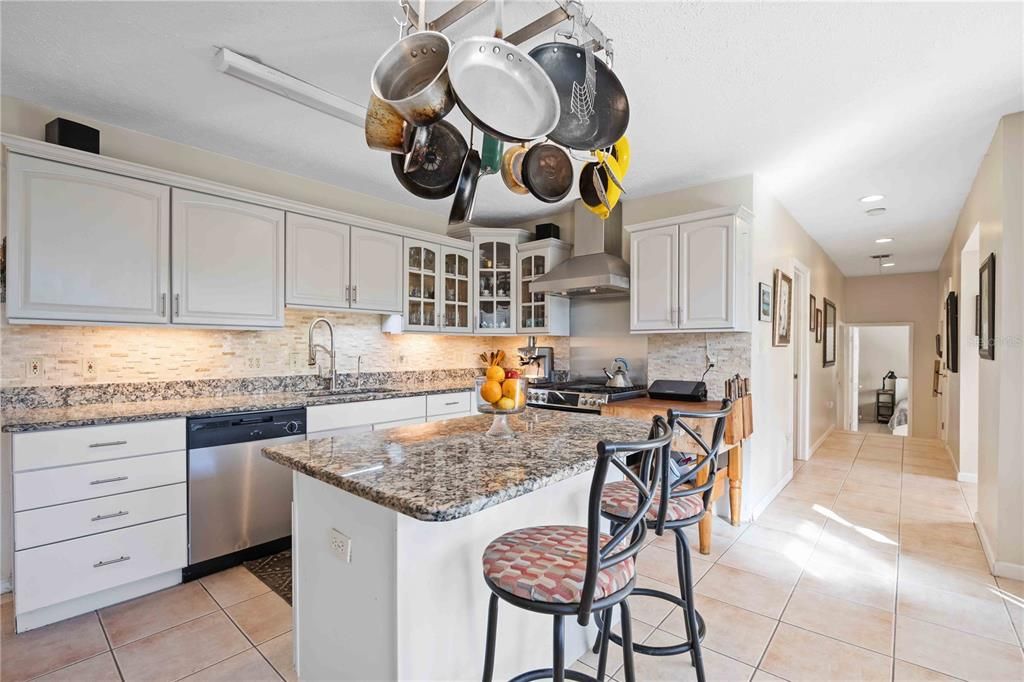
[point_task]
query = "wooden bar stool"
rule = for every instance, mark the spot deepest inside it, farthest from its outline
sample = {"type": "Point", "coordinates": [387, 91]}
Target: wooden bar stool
{"type": "Point", "coordinates": [685, 505]}
{"type": "Point", "coordinates": [575, 571]}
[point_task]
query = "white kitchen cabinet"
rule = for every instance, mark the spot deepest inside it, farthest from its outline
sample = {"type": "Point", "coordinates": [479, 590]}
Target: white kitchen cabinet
{"type": "Point", "coordinates": [227, 262]}
{"type": "Point", "coordinates": [495, 281]}
{"type": "Point", "coordinates": [455, 291]}
{"type": "Point", "coordinates": [377, 268]}
{"type": "Point", "coordinates": [317, 271]}
{"type": "Point", "coordinates": [541, 313]}
{"type": "Point", "coordinates": [85, 245]}
{"type": "Point", "coordinates": [422, 285]}
{"type": "Point", "coordinates": [692, 272]}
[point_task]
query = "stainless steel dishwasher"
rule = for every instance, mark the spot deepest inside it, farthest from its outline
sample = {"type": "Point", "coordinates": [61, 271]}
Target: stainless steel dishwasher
{"type": "Point", "coordinates": [239, 502]}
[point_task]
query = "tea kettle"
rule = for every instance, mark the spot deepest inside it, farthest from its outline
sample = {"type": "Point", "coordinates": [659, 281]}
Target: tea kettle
{"type": "Point", "coordinates": [621, 377]}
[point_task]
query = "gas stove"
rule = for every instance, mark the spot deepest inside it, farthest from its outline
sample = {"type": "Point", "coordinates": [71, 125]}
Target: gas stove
{"type": "Point", "coordinates": [578, 396]}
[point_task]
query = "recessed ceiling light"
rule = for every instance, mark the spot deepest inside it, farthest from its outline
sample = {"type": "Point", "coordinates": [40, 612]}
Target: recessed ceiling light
{"type": "Point", "coordinates": [872, 198]}
{"type": "Point", "coordinates": [888, 265]}
{"type": "Point", "coordinates": [875, 211]}
{"type": "Point", "coordinates": [883, 240]}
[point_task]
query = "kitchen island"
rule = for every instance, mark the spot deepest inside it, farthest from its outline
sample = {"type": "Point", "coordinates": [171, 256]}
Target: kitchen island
{"type": "Point", "coordinates": [400, 595]}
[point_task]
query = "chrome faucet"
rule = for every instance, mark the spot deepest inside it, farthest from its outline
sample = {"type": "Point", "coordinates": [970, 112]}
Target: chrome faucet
{"type": "Point", "coordinates": [314, 347]}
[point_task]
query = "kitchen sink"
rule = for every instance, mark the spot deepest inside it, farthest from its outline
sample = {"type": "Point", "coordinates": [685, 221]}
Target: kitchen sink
{"type": "Point", "coordinates": [326, 392]}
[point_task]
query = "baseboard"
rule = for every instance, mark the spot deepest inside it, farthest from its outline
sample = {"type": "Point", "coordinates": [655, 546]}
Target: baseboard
{"type": "Point", "coordinates": [763, 503]}
{"type": "Point", "coordinates": [5, 586]}
{"type": "Point", "coordinates": [817, 443]}
{"type": "Point", "coordinates": [967, 478]}
{"type": "Point", "coordinates": [960, 476]}
{"type": "Point", "coordinates": [1001, 569]}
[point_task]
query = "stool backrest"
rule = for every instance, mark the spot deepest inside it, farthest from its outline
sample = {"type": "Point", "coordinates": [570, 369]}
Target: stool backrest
{"type": "Point", "coordinates": [710, 461]}
{"type": "Point", "coordinates": [629, 536]}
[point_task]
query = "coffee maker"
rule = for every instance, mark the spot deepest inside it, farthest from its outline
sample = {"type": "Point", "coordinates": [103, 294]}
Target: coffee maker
{"type": "Point", "coordinates": [536, 362]}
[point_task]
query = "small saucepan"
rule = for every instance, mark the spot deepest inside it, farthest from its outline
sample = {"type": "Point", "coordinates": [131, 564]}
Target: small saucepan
{"type": "Point", "coordinates": [547, 172]}
{"type": "Point", "coordinates": [412, 76]}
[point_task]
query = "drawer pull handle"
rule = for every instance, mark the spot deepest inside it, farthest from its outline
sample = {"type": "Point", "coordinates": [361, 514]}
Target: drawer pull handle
{"type": "Point", "coordinates": [100, 564]}
{"type": "Point", "coordinates": [102, 517]}
{"type": "Point", "coordinates": [115, 479]}
{"type": "Point", "coordinates": [454, 402]}
{"type": "Point", "coordinates": [108, 444]}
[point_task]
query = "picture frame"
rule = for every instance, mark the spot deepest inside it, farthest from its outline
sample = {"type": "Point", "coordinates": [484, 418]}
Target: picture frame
{"type": "Point", "coordinates": [829, 319]}
{"type": "Point", "coordinates": [987, 292]}
{"type": "Point", "coordinates": [936, 375]}
{"type": "Point", "coordinates": [938, 345]}
{"type": "Point", "coordinates": [764, 302]}
{"type": "Point", "coordinates": [952, 332]}
{"type": "Point", "coordinates": [782, 309]}
{"type": "Point", "coordinates": [818, 326]}
{"type": "Point", "coordinates": [977, 315]}
{"type": "Point", "coordinates": [813, 321]}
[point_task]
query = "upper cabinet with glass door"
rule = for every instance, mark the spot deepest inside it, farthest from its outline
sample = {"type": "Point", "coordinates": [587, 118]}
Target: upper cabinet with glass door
{"type": "Point", "coordinates": [422, 275]}
{"type": "Point", "coordinates": [495, 278]}
{"type": "Point", "coordinates": [541, 313]}
{"type": "Point", "coordinates": [455, 291]}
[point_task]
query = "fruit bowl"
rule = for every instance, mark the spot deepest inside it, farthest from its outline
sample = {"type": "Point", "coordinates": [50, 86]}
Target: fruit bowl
{"type": "Point", "coordinates": [500, 397]}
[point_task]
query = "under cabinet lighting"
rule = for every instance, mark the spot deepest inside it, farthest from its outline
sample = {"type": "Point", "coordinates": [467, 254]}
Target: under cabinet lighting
{"type": "Point", "coordinates": [888, 265]}
{"type": "Point", "coordinates": [872, 198]}
{"type": "Point", "coordinates": [883, 240]}
{"type": "Point", "coordinates": [280, 83]}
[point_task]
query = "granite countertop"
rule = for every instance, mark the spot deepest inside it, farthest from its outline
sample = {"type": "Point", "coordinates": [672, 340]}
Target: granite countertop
{"type": "Point", "coordinates": [43, 418]}
{"type": "Point", "coordinates": [447, 470]}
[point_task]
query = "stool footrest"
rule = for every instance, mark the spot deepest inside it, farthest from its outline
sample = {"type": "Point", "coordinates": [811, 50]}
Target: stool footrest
{"type": "Point", "coordinates": [549, 673]}
{"type": "Point", "coordinates": [669, 650]}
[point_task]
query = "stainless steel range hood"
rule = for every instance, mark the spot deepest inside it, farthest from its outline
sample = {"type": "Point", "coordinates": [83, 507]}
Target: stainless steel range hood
{"type": "Point", "coordinates": [597, 269]}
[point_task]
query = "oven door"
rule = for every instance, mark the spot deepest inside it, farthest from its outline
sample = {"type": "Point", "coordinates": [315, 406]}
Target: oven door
{"type": "Point", "coordinates": [566, 401]}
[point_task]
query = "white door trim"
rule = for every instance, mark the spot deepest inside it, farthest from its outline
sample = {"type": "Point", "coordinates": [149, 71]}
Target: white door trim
{"type": "Point", "coordinates": [910, 363]}
{"type": "Point", "coordinates": [802, 359]}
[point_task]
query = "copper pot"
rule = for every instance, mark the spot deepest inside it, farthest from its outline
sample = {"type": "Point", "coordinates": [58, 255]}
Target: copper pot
{"type": "Point", "coordinates": [384, 127]}
{"type": "Point", "coordinates": [512, 169]}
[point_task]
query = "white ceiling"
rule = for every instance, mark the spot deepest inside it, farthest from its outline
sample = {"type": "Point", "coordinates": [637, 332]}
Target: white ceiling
{"type": "Point", "coordinates": [826, 101]}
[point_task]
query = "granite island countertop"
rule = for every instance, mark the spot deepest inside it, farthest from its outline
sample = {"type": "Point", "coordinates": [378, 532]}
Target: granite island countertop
{"type": "Point", "coordinates": [447, 470]}
{"type": "Point", "coordinates": [43, 418]}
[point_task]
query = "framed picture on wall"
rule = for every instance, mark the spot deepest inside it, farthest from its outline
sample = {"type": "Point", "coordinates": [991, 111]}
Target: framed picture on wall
{"type": "Point", "coordinates": [987, 291]}
{"type": "Point", "coordinates": [764, 302]}
{"type": "Point", "coordinates": [828, 351]}
{"type": "Point", "coordinates": [817, 326]}
{"type": "Point", "coordinates": [952, 332]}
{"type": "Point", "coordinates": [782, 313]}
{"type": "Point", "coordinates": [977, 314]}
{"type": "Point", "coordinates": [813, 321]}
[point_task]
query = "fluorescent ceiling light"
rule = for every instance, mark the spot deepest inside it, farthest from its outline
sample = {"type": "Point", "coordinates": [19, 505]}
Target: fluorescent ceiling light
{"type": "Point", "coordinates": [883, 240]}
{"type": "Point", "coordinates": [280, 83]}
{"type": "Point", "coordinates": [875, 211]}
{"type": "Point", "coordinates": [888, 265]}
{"type": "Point", "coordinates": [872, 198]}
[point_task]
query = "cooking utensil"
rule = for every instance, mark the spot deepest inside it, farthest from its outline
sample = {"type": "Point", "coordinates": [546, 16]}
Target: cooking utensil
{"type": "Point", "coordinates": [501, 90]}
{"type": "Point", "coordinates": [412, 76]}
{"type": "Point", "coordinates": [465, 191]}
{"type": "Point", "coordinates": [437, 175]}
{"type": "Point", "coordinates": [416, 146]}
{"type": "Point", "coordinates": [598, 191]}
{"type": "Point", "coordinates": [490, 155]}
{"type": "Point", "coordinates": [621, 152]}
{"type": "Point", "coordinates": [620, 379]}
{"type": "Point", "coordinates": [566, 64]}
{"type": "Point", "coordinates": [512, 168]}
{"type": "Point", "coordinates": [384, 127]}
{"type": "Point", "coordinates": [547, 172]}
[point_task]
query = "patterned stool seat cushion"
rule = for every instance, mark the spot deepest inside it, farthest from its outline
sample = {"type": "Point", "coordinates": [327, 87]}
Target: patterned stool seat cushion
{"type": "Point", "coordinates": [548, 564]}
{"type": "Point", "coordinates": [619, 499]}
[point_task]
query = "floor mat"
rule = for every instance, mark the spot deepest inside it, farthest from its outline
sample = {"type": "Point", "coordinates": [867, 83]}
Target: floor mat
{"type": "Point", "coordinates": [275, 571]}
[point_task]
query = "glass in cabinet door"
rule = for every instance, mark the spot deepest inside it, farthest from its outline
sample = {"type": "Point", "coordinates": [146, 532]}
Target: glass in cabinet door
{"type": "Point", "coordinates": [455, 292]}
{"type": "Point", "coordinates": [532, 305]}
{"type": "Point", "coordinates": [421, 286]}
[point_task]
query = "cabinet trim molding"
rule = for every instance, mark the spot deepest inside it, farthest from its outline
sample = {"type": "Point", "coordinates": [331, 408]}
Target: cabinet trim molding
{"type": "Point", "coordinates": [740, 211]}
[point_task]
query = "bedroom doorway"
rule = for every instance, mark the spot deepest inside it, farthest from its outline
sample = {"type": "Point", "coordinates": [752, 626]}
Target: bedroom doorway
{"type": "Point", "coordinates": [882, 374]}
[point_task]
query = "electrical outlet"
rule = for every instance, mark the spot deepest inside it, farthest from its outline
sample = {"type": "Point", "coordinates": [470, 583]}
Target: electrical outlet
{"type": "Point", "coordinates": [90, 368]}
{"type": "Point", "coordinates": [341, 545]}
{"type": "Point", "coordinates": [34, 368]}
{"type": "Point", "coordinates": [253, 363]}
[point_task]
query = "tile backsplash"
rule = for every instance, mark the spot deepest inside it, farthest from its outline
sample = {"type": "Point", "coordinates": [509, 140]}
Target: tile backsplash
{"type": "Point", "coordinates": [684, 356]}
{"type": "Point", "coordinates": [50, 355]}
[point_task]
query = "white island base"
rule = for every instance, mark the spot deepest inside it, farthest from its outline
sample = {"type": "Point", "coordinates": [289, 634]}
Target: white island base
{"type": "Point", "coordinates": [412, 603]}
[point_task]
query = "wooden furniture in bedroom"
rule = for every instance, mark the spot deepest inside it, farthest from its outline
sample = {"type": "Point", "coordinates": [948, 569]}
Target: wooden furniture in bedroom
{"type": "Point", "coordinates": [885, 405]}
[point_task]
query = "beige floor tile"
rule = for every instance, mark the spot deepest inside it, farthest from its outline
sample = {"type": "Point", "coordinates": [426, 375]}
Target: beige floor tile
{"type": "Point", "coordinates": [583, 668]}
{"type": "Point", "coordinates": [829, 556]}
{"type": "Point", "coordinates": [678, 669]}
{"type": "Point", "coordinates": [813, 468]}
{"type": "Point", "coordinates": [887, 480]}
{"type": "Point", "coordinates": [798, 655]}
{"type": "Point", "coordinates": [961, 557]}
{"type": "Point", "coordinates": [867, 487]}
{"type": "Point", "coordinates": [730, 630]}
{"type": "Point", "coordinates": [915, 482]}
{"type": "Point", "coordinates": [823, 483]}
{"type": "Point", "coordinates": [152, 613]}
{"type": "Point", "coordinates": [977, 584]}
{"type": "Point", "coordinates": [651, 610]}
{"type": "Point", "coordinates": [780, 566]}
{"type": "Point", "coordinates": [1012, 594]}
{"type": "Point", "coordinates": [660, 564]}
{"type": "Point", "coordinates": [913, 513]}
{"type": "Point", "coordinates": [838, 533]}
{"type": "Point", "coordinates": [956, 653]}
{"type": "Point", "coordinates": [908, 672]}
{"type": "Point", "coordinates": [795, 544]}
{"type": "Point", "coordinates": [49, 648]}
{"type": "Point", "coordinates": [853, 623]}
{"type": "Point", "coordinates": [961, 534]}
{"type": "Point", "coordinates": [248, 666]}
{"type": "Point", "coordinates": [746, 590]}
{"type": "Point", "coordinates": [182, 650]}
{"type": "Point", "coordinates": [233, 585]}
{"type": "Point", "coordinates": [96, 669]}
{"type": "Point", "coordinates": [762, 676]}
{"type": "Point", "coordinates": [262, 618]}
{"type": "Point", "coordinates": [982, 617]}
{"type": "Point", "coordinates": [970, 493]}
{"type": "Point", "coordinates": [808, 493]}
{"type": "Point", "coordinates": [641, 631]}
{"type": "Point", "coordinates": [888, 524]}
{"type": "Point", "coordinates": [845, 582]}
{"type": "Point", "coordinates": [944, 472]}
{"type": "Point", "coordinates": [280, 652]}
{"type": "Point", "coordinates": [878, 504]}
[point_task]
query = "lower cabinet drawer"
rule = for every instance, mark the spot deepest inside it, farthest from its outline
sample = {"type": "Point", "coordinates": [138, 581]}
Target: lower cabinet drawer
{"type": "Point", "coordinates": [449, 403]}
{"type": "Point", "coordinates": [67, 521]}
{"type": "Point", "coordinates": [66, 570]}
{"type": "Point", "coordinates": [85, 481]}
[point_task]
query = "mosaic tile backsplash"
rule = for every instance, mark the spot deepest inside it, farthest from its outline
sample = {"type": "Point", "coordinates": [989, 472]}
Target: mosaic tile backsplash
{"type": "Point", "coordinates": [684, 356]}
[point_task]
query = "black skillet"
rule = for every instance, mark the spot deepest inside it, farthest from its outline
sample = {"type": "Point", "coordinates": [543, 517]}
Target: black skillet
{"type": "Point", "coordinates": [465, 192]}
{"type": "Point", "coordinates": [565, 64]}
{"type": "Point", "coordinates": [440, 162]}
{"type": "Point", "coordinates": [547, 172]}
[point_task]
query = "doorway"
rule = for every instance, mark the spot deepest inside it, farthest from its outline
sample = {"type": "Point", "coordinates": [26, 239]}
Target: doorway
{"type": "Point", "coordinates": [801, 361]}
{"type": "Point", "coordinates": [880, 377]}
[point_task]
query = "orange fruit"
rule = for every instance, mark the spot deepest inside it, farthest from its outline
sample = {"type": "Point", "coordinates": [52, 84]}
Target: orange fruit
{"type": "Point", "coordinates": [521, 399]}
{"type": "Point", "coordinates": [495, 374]}
{"type": "Point", "coordinates": [506, 404]}
{"type": "Point", "coordinates": [510, 389]}
{"type": "Point", "coordinates": [491, 391]}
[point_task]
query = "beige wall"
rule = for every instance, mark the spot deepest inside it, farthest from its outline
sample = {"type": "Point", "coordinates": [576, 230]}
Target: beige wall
{"type": "Point", "coordinates": [995, 206]}
{"type": "Point", "coordinates": [904, 298]}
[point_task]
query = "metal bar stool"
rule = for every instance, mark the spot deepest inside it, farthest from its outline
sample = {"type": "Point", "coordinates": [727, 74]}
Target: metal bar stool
{"type": "Point", "coordinates": [685, 505]}
{"type": "Point", "coordinates": [575, 571]}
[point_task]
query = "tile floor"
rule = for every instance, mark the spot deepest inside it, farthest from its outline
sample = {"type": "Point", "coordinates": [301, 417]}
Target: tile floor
{"type": "Point", "coordinates": [227, 626]}
{"type": "Point", "coordinates": [866, 567]}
